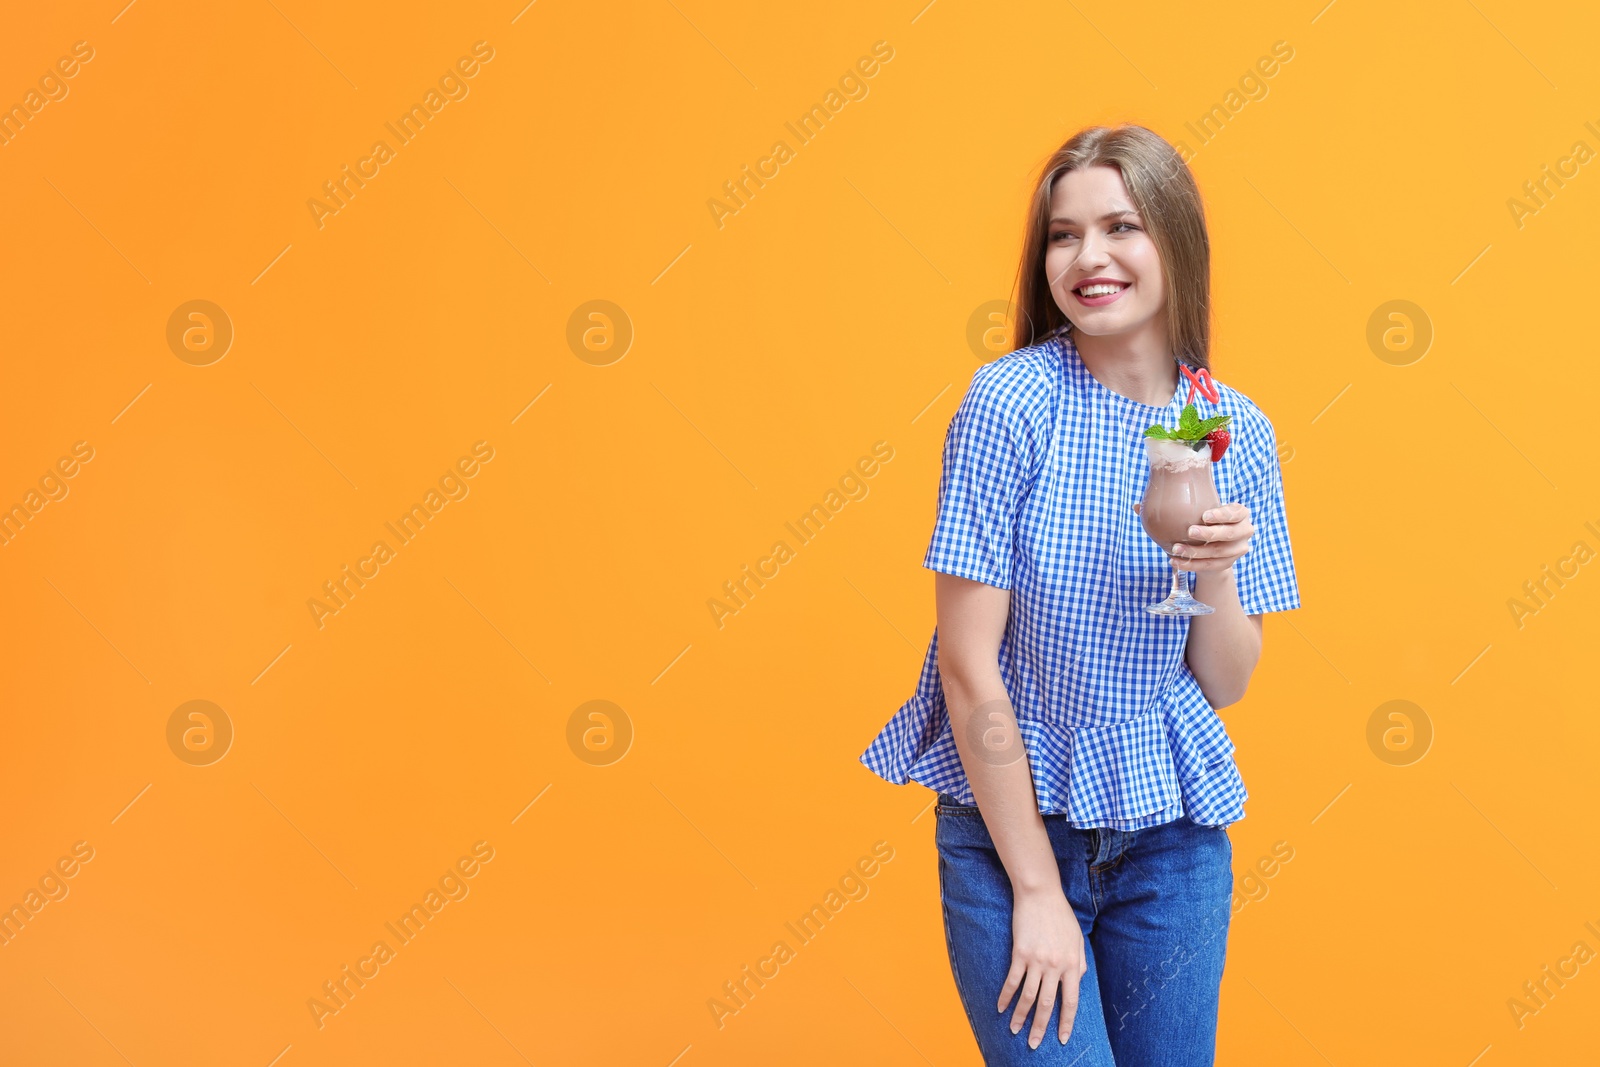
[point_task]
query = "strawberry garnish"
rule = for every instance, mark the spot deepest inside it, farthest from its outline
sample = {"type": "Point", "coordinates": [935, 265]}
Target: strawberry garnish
{"type": "Point", "coordinates": [1219, 443]}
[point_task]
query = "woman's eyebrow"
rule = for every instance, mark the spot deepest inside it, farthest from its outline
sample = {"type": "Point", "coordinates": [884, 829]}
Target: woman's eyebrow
{"type": "Point", "coordinates": [1107, 217]}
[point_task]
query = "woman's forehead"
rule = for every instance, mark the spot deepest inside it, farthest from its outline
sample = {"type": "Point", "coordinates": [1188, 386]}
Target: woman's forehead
{"type": "Point", "coordinates": [1092, 192]}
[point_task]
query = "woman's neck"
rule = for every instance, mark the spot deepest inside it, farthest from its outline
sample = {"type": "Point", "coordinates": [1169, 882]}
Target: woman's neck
{"type": "Point", "coordinates": [1140, 368]}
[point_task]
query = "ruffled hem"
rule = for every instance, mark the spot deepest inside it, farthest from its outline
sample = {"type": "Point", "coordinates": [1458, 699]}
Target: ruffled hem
{"type": "Point", "coordinates": [1173, 760]}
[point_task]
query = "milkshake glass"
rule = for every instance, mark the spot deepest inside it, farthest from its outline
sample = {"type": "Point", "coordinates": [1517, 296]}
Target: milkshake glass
{"type": "Point", "coordinates": [1179, 493]}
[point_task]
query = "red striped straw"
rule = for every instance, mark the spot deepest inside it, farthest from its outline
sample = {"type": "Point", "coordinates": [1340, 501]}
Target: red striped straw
{"type": "Point", "coordinates": [1203, 382]}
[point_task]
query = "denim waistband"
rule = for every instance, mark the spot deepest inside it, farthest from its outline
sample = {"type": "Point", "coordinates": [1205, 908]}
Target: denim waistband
{"type": "Point", "coordinates": [1105, 843]}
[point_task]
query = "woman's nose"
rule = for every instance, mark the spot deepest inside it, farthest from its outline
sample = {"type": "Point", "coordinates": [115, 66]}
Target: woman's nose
{"type": "Point", "coordinates": [1091, 251]}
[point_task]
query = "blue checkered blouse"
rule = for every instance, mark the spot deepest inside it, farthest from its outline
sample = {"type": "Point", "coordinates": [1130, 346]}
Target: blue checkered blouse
{"type": "Point", "coordinates": [1042, 467]}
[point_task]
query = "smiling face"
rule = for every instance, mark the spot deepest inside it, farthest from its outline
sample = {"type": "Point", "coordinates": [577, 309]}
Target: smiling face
{"type": "Point", "coordinates": [1096, 235]}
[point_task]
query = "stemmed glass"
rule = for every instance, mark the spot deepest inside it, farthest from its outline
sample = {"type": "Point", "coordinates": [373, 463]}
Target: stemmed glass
{"type": "Point", "coordinates": [1179, 493]}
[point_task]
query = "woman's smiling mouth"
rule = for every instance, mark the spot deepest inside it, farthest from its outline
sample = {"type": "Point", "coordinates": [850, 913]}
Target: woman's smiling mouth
{"type": "Point", "coordinates": [1100, 292]}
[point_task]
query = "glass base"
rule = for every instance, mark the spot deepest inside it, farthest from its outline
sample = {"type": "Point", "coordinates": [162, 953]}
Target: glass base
{"type": "Point", "coordinates": [1180, 605]}
{"type": "Point", "coordinates": [1178, 601]}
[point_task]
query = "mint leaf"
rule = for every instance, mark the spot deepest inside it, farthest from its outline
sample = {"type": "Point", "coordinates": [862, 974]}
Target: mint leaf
{"type": "Point", "coordinates": [1188, 425]}
{"type": "Point", "coordinates": [1191, 427]}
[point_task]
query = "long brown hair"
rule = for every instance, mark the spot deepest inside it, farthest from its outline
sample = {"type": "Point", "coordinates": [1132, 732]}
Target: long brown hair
{"type": "Point", "coordinates": [1168, 201]}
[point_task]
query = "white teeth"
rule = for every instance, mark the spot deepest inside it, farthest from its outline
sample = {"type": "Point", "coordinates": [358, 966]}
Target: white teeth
{"type": "Point", "coordinates": [1101, 289]}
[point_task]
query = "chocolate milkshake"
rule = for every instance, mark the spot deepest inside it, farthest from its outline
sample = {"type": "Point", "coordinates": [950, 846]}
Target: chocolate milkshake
{"type": "Point", "coordinates": [1179, 492]}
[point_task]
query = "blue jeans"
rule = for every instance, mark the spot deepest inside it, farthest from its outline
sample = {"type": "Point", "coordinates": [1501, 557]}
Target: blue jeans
{"type": "Point", "coordinates": [1154, 906]}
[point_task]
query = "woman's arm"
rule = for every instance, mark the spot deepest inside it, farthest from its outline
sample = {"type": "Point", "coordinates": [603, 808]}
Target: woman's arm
{"type": "Point", "coordinates": [972, 619]}
{"type": "Point", "coordinates": [1225, 646]}
{"type": "Point", "coordinates": [1047, 942]}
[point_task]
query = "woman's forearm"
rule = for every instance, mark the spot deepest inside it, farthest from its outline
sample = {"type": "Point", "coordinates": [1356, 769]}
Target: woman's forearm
{"type": "Point", "coordinates": [997, 769]}
{"type": "Point", "coordinates": [1224, 646]}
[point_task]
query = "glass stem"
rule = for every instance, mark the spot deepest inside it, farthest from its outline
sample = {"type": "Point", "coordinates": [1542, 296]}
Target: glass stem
{"type": "Point", "coordinates": [1180, 588]}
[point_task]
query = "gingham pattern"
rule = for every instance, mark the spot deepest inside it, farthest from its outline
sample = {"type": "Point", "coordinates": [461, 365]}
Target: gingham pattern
{"type": "Point", "coordinates": [1042, 467]}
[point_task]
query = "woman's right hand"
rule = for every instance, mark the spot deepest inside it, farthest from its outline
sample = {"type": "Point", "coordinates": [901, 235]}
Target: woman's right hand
{"type": "Point", "coordinates": [1046, 953]}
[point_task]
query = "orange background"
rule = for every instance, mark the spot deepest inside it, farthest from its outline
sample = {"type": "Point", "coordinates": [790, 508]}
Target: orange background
{"type": "Point", "coordinates": [768, 355]}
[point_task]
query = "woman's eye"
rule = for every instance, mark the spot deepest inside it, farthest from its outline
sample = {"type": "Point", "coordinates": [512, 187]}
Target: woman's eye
{"type": "Point", "coordinates": [1129, 225]}
{"type": "Point", "coordinates": [1058, 235]}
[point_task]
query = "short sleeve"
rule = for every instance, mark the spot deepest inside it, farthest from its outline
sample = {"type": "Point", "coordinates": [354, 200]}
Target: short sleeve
{"type": "Point", "coordinates": [1265, 575]}
{"type": "Point", "coordinates": [988, 462]}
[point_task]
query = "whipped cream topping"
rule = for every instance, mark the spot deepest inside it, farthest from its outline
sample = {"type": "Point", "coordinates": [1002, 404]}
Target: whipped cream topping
{"type": "Point", "coordinates": [1176, 455]}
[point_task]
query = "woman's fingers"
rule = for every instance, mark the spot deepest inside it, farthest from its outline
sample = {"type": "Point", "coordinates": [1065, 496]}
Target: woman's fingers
{"type": "Point", "coordinates": [1226, 522]}
{"type": "Point", "coordinates": [1200, 566]}
{"type": "Point", "coordinates": [1222, 531]}
{"type": "Point", "coordinates": [1013, 980]}
{"type": "Point", "coordinates": [1046, 1004]}
{"type": "Point", "coordinates": [1216, 550]}
{"type": "Point", "coordinates": [1225, 513]}
{"type": "Point", "coordinates": [1070, 985]}
{"type": "Point", "coordinates": [1030, 993]}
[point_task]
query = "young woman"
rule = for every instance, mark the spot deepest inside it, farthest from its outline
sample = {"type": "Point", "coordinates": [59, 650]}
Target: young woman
{"type": "Point", "coordinates": [1085, 781]}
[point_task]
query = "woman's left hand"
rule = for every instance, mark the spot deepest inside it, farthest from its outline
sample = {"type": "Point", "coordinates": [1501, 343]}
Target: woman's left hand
{"type": "Point", "coordinates": [1226, 531]}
